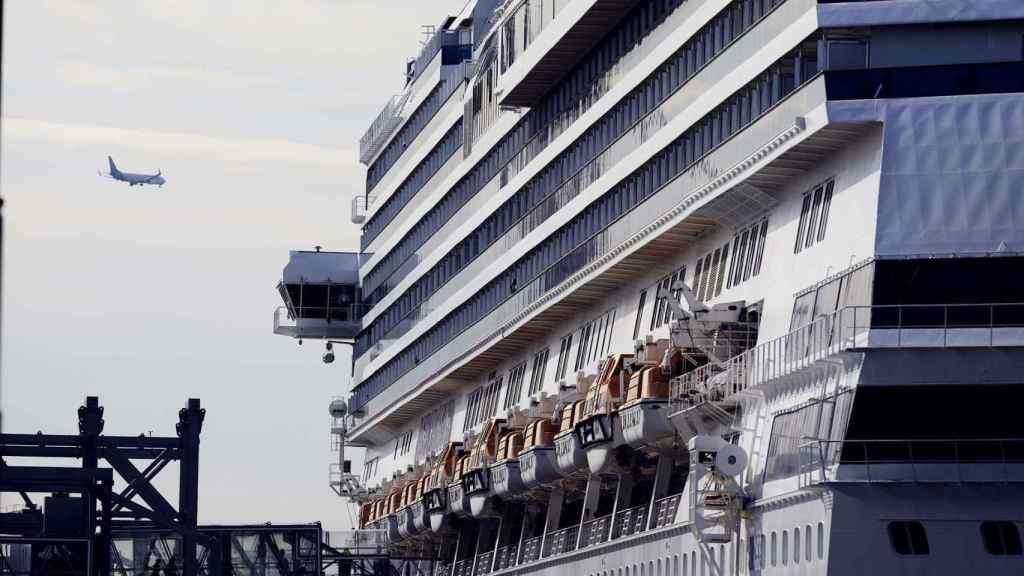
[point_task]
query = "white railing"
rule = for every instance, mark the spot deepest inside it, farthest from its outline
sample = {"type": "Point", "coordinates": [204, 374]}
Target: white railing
{"type": "Point", "coordinates": [854, 328]}
{"type": "Point", "coordinates": [912, 460]}
{"type": "Point", "coordinates": [318, 321]}
{"type": "Point", "coordinates": [382, 126]}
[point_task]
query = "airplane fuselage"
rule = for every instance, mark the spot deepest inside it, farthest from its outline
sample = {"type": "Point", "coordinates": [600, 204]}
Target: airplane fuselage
{"type": "Point", "coordinates": [140, 179]}
{"type": "Point", "coordinates": [134, 179]}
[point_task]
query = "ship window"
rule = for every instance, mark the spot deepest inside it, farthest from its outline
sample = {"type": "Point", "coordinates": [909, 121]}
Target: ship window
{"type": "Point", "coordinates": [563, 357]}
{"type": "Point", "coordinates": [1001, 538]}
{"type": "Point", "coordinates": [796, 545]}
{"type": "Point", "coordinates": [807, 543]}
{"type": "Point", "coordinates": [677, 277]}
{"type": "Point", "coordinates": [540, 363]}
{"type": "Point", "coordinates": [812, 222]}
{"type": "Point", "coordinates": [775, 546]}
{"type": "Point", "coordinates": [760, 246]}
{"type": "Point", "coordinates": [826, 204]}
{"type": "Point", "coordinates": [821, 540]}
{"type": "Point", "coordinates": [908, 538]}
{"type": "Point", "coordinates": [847, 55]}
{"type": "Point", "coordinates": [581, 353]}
{"type": "Point", "coordinates": [785, 547]}
{"type": "Point", "coordinates": [720, 277]}
{"type": "Point", "coordinates": [805, 209]}
{"type": "Point", "coordinates": [515, 385]}
{"type": "Point", "coordinates": [659, 301]}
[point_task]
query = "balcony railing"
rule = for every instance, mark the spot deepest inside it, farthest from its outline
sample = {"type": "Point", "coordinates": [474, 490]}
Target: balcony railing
{"type": "Point", "coordinates": [464, 567]}
{"type": "Point", "coordinates": [665, 510]}
{"type": "Point", "coordinates": [630, 521]}
{"type": "Point", "coordinates": [531, 549]}
{"type": "Point", "coordinates": [591, 533]}
{"type": "Point", "coordinates": [850, 329]}
{"type": "Point", "coordinates": [483, 563]}
{"type": "Point", "coordinates": [595, 531]}
{"type": "Point", "coordinates": [318, 321]}
{"type": "Point", "coordinates": [506, 557]}
{"type": "Point", "coordinates": [382, 127]}
{"type": "Point", "coordinates": [912, 460]}
{"type": "Point", "coordinates": [561, 541]}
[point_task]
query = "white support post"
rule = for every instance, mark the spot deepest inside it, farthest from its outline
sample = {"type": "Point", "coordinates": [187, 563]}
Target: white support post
{"type": "Point", "coordinates": [662, 476]}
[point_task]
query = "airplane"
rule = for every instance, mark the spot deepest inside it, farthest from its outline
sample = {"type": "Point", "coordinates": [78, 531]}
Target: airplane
{"type": "Point", "coordinates": [133, 179]}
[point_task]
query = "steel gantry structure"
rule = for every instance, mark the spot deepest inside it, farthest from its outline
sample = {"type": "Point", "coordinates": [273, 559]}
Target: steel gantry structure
{"type": "Point", "coordinates": [78, 531]}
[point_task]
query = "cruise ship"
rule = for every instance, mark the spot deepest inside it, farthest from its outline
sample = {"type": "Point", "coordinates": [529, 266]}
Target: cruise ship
{"type": "Point", "coordinates": [688, 288]}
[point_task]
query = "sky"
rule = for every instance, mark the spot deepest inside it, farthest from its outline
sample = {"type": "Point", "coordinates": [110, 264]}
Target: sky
{"type": "Point", "coordinates": [148, 296]}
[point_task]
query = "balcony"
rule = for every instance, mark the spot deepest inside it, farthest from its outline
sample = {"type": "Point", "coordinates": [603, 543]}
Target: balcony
{"type": "Point", "coordinates": [540, 54]}
{"type": "Point", "coordinates": [320, 291]}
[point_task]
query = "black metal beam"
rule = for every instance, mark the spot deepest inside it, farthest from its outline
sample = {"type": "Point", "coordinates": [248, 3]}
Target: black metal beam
{"type": "Point", "coordinates": [150, 495]}
{"type": "Point", "coordinates": [50, 478]}
{"type": "Point", "coordinates": [190, 424]}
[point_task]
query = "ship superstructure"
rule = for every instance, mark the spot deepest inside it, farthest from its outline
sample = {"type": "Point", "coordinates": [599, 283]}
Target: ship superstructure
{"type": "Point", "coordinates": [681, 287]}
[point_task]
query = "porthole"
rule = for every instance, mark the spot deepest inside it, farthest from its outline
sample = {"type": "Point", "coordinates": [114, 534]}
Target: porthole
{"type": "Point", "coordinates": [1001, 538]}
{"type": "Point", "coordinates": [908, 538]}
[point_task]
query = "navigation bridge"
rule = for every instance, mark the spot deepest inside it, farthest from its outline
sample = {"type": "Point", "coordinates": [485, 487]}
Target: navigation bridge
{"type": "Point", "coordinates": [320, 291]}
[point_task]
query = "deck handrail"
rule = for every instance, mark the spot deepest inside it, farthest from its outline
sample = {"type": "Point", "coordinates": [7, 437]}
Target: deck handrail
{"type": "Point", "coordinates": [819, 457]}
{"type": "Point", "coordinates": [845, 329]}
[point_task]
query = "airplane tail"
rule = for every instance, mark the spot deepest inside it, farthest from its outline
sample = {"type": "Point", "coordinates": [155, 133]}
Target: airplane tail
{"type": "Point", "coordinates": [113, 167]}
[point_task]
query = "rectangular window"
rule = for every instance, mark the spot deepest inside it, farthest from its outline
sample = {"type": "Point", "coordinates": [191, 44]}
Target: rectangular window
{"type": "Point", "coordinates": [677, 277]}
{"type": "Point", "coordinates": [713, 275]}
{"type": "Point", "coordinates": [741, 255]}
{"type": "Point", "coordinates": [608, 331]}
{"type": "Point", "coordinates": [698, 270]}
{"type": "Point", "coordinates": [639, 314]}
{"type": "Point", "coordinates": [812, 221]}
{"type": "Point", "coordinates": [748, 265]}
{"type": "Point", "coordinates": [801, 228]}
{"type": "Point", "coordinates": [563, 357]}
{"type": "Point", "coordinates": [814, 215]}
{"type": "Point", "coordinates": [581, 351]}
{"type": "Point", "coordinates": [760, 247]}
{"type": "Point", "coordinates": [659, 302]}
{"type": "Point", "coordinates": [472, 408]}
{"type": "Point", "coordinates": [721, 269]}
{"type": "Point", "coordinates": [540, 364]}
{"type": "Point", "coordinates": [515, 386]}
{"type": "Point", "coordinates": [826, 204]}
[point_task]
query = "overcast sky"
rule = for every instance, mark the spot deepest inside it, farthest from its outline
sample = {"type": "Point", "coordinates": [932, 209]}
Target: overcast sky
{"type": "Point", "coordinates": [146, 297]}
